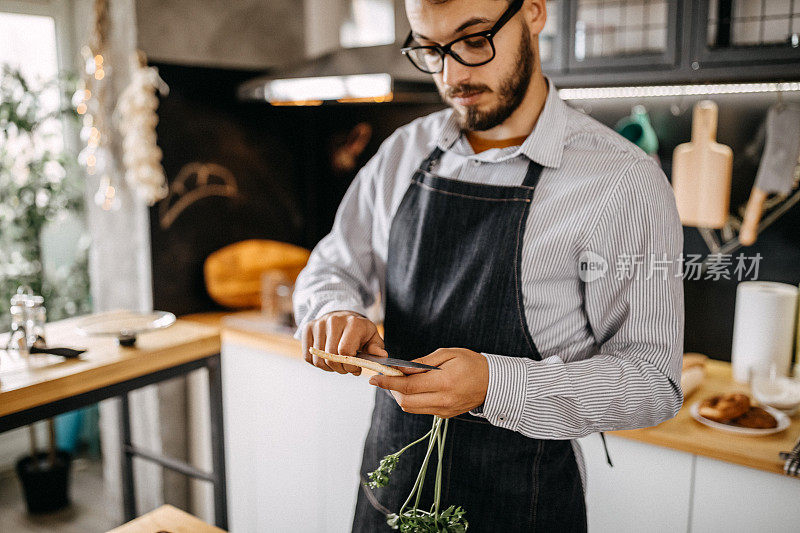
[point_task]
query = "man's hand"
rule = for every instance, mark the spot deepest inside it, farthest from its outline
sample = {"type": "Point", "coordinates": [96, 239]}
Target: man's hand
{"type": "Point", "coordinates": [458, 387]}
{"type": "Point", "coordinates": [343, 333]}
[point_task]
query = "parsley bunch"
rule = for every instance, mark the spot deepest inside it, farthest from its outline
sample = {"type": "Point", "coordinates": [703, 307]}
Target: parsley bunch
{"type": "Point", "coordinates": [414, 519]}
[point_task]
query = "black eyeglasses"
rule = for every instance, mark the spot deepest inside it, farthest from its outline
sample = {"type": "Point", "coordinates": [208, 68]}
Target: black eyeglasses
{"type": "Point", "coordinates": [471, 50]}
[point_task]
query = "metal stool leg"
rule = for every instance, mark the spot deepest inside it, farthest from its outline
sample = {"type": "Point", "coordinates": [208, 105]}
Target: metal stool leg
{"type": "Point", "coordinates": [126, 460]}
{"type": "Point", "coordinates": [217, 442]}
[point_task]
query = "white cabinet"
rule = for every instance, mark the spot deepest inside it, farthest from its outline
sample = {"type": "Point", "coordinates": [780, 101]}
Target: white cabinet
{"type": "Point", "coordinates": [730, 498]}
{"type": "Point", "coordinates": [652, 488]}
{"type": "Point", "coordinates": [294, 436]}
{"type": "Point", "coordinates": [648, 488]}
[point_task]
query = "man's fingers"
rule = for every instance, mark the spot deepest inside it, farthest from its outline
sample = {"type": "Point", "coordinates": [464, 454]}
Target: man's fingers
{"type": "Point", "coordinates": [426, 403]}
{"type": "Point", "coordinates": [351, 339]}
{"type": "Point", "coordinates": [436, 358]}
{"type": "Point", "coordinates": [333, 332]}
{"type": "Point", "coordinates": [407, 370]}
{"type": "Point", "coordinates": [375, 345]}
{"type": "Point", "coordinates": [350, 342]}
{"type": "Point", "coordinates": [304, 342]}
{"type": "Point", "coordinates": [415, 384]}
{"type": "Point", "coordinates": [319, 343]}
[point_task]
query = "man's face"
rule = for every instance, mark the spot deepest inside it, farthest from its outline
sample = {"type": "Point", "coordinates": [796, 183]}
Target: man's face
{"type": "Point", "coordinates": [484, 96]}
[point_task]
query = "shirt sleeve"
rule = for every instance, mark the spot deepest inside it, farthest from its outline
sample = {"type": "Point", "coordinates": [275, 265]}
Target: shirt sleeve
{"type": "Point", "coordinates": [340, 273]}
{"type": "Point", "coordinates": [636, 315]}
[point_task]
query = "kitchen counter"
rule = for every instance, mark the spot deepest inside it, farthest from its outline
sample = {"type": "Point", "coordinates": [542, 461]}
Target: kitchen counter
{"type": "Point", "coordinates": [681, 433]}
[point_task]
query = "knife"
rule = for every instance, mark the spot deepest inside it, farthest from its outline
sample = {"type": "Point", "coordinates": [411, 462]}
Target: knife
{"type": "Point", "coordinates": [393, 361]}
{"type": "Point", "coordinates": [69, 353]}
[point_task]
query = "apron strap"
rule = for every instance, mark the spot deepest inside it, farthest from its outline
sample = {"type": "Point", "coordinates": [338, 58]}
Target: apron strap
{"type": "Point", "coordinates": [605, 447]}
{"type": "Point", "coordinates": [533, 173]}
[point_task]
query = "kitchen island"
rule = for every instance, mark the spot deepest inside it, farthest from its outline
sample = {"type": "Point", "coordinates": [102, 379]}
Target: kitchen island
{"type": "Point", "coordinates": [295, 436]}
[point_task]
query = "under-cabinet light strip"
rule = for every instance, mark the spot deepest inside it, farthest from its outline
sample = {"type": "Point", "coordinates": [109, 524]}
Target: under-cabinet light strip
{"type": "Point", "coordinates": [592, 93]}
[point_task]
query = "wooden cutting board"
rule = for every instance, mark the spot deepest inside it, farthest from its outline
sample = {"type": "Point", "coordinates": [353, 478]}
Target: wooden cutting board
{"type": "Point", "coordinates": [233, 273]}
{"type": "Point", "coordinates": [701, 172]}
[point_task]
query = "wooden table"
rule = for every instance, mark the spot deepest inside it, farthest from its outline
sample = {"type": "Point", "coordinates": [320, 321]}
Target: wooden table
{"type": "Point", "coordinates": [106, 370]}
{"type": "Point", "coordinates": [166, 518]}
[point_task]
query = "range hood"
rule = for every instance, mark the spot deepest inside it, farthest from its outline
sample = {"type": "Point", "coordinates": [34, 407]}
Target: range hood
{"type": "Point", "coordinates": [365, 74]}
{"type": "Point", "coordinates": [341, 74]}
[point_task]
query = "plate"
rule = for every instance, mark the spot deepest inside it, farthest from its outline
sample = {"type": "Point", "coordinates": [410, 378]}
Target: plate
{"type": "Point", "coordinates": [783, 422]}
{"type": "Point", "coordinates": [124, 325]}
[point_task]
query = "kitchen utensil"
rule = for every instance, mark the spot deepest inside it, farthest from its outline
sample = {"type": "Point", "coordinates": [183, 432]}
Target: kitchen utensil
{"type": "Point", "coordinates": [763, 327]}
{"type": "Point", "coordinates": [792, 465]}
{"type": "Point", "coordinates": [783, 422]}
{"type": "Point", "coordinates": [637, 128]}
{"type": "Point", "coordinates": [776, 168]}
{"type": "Point", "coordinates": [393, 361]}
{"type": "Point", "coordinates": [69, 353]}
{"type": "Point", "coordinates": [124, 325]}
{"type": "Point", "coordinates": [701, 172]}
{"type": "Point", "coordinates": [276, 298]}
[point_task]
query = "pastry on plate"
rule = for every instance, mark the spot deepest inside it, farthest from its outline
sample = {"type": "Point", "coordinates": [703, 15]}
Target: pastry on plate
{"type": "Point", "coordinates": [724, 407]}
{"type": "Point", "coordinates": [756, 418]}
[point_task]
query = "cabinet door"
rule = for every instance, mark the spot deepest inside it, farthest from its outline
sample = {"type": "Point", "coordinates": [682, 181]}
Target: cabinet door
{"type": "Point", "coordinates": [746, 32]}
{"type": "Point", "coordinates": [648, 488]}
{"type": "Point", "coordinates": [620, 34]}
{"type": "Point", "coordinates": [294, 436]}
{"type": "Point", "coordinates": [734, 498]}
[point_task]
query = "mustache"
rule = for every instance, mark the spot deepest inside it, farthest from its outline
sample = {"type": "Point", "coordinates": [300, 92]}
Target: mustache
{"type": "Point", "coordinates": [462, 90]}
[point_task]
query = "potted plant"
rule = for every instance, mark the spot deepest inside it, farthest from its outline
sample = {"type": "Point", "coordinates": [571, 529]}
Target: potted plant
{"type": "Point", "coordinates": [45, 475]}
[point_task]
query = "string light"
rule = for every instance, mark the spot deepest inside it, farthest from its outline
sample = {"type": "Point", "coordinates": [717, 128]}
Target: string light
{"type": "Point", "coordinates": [90, 102]}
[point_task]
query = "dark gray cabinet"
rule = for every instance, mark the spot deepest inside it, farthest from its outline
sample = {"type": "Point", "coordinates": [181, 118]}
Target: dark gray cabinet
{"type": "Point", "coordinates": [618, 42]}
{"type": "Point", "coordinates": [747, 31]}
{"type": "Point", "coordinates": [619, 34]}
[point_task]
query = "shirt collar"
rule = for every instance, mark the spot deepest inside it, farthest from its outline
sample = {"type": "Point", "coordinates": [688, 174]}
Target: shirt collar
{"type": "Point", "coordinates": [545, 144]}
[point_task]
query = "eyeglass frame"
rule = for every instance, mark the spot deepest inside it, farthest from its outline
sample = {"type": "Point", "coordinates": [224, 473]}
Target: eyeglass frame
{"type": "Point", "coordinates": [446, 49]}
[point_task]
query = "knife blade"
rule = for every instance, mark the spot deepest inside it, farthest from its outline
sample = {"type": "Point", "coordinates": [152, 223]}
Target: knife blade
{"type": "Point", "coordinates": [393, 361]}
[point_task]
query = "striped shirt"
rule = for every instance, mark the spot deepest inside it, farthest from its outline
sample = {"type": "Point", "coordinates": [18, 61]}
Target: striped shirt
{"type": "Point", "coordinates": [612, 346]}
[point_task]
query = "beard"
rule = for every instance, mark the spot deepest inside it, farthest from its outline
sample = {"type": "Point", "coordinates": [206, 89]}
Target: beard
{"type": "Point", "coordinates": [509, 95]}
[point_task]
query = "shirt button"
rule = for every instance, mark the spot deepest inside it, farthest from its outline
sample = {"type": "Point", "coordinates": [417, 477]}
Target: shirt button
{"type": "Point", "coordinates": [501, 416]}
{"type": "Point", "coordinates": [475, 162]}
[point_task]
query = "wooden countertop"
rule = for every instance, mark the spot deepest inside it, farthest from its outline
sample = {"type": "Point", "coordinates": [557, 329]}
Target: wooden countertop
{"type": "Point", "coordinates": [104, 363]}
{"type": "Point", "coordinates": [681, 433]}
{"type": "Point", "coordinates": [686, 434]}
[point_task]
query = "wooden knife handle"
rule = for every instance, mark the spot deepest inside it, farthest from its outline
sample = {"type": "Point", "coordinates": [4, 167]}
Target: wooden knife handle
{"type": "Point", "coordinates": [752, 216]}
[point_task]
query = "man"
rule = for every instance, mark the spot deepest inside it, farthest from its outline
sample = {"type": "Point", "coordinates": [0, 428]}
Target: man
{"type": "Point", "coordinates": [479, 226]}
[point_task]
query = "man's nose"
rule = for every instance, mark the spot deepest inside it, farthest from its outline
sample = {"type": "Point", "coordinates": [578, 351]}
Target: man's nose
{"type": "Point", "coordinates": [453, 72]}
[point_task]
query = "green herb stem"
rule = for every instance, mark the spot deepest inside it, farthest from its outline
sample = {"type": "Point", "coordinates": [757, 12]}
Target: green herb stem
{"type": "Point", "coordinates": [418, 483]}
{"type": "Point", "coordinates": [441, 435]}
{"type": "Point", "coordinates": [404, 448]}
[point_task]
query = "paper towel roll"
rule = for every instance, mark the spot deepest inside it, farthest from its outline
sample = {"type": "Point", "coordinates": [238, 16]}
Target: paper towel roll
{"type": "Point", "coordinates": [763, 327]}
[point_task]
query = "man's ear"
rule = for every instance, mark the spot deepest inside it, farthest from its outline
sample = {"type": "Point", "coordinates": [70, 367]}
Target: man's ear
{"type": "Point", "coordinates": [535, 13]}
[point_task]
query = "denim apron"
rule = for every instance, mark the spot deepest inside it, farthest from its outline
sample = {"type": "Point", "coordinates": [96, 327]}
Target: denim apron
{"type": "Point", "coordinates": [453, 280]}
